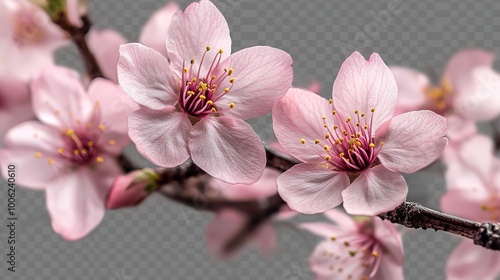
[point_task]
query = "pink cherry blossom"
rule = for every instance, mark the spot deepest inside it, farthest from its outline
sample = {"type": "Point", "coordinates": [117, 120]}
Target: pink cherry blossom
{"type": "Point", "coordinates": [15, 106]}
{"type": "Point", "coordinates": [473, 193]}
{"type": "Point", "coordinates": [28, 38]}
{"type": "Point", "coordinates": [360, 248]}
{"type": "Point", "coordinates": [130, 189]}
{"type": "Point", "coordinates": [351, 146]}
{"type": "Point", "coordinates": [70, 152]}
{"type": "Point", "coordinates": [228, 222]}
{"type": "Point", "coordinates": [196, 103]}
{"type": "Point", "coordinates": [105, 44]}
{"type": "Point", "coordinates": [467, 91]}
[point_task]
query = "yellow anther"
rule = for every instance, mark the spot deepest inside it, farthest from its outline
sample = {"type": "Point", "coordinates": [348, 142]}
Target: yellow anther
{"type": "Point", "coordinates": [316, 141]}
{"type": "Point", "coordinates": [186, 69]}
{"type": "Point", "coordinates": [214, 110]}
{"type": "Point", "coordinates": [203, 97]}
{"type": "Point", "coordinates": [302, 140]}
{"type": "Point", "coordinates": [330, 101]}
{"type": "Point", "coordinates": [356, 112]}
{"type": "Point", "coordinates": [112, 142]}
{"type": "Point", "coordinates": [363, 115]}
{"type": "Point", "coordinates": [334, 112]}
{"type": "Point", "coordinates": [70, 133]}
{"type": "Point", "coordinates": [76, 151]}
{"type": "Point", "coordinates": [372, 145]}
{"type": "Point", "coordinates": [325, 125]}
{"type": "Point", "coordinates": [38, 155]}
{"type": "Point", "coordinates": [203, 86]}
{"type": "Point", "coordinates": [60, 150]}
{"type": "Point", "coordinates": [347, 244]}
{"type": "Point", "coordinates": [375, 253]}
{"type": "Point", "coordinates": [226, 90]}
{"type": "Point", "coordinates": [348, 119]}
{"type": "Point", "coordinates": [365, 127]}
{"type": "Point", "coordinates": [326, 147]}
{"type": "Point", "coordinates": [327, 136]}
{"type": "Point", "coordinates": [194, 80]}
{"type": "Point", "coordinates": [327, 157]}
{"type": "Point", "coordinates": [221, 51]}
{"type": "Point", "coordinates": [57, 111]}
{"type": "Point", "coordinates": [190, 92]}
{"type": "Point", "coordinates": [101, 127]}
{"type": "Point", "coordinates": [213, 77]}
{"type": "Point", "coordinates": [231, 80]}
{"type": "Point", "coordinates": [382, 143]}
{"type": "Point", "coordinates": [353, 253]}
{"type": "Point", "coordinates": [344, 132]}
{"type": "Point", "coordinates": [323, 117]}
{"type": "Point", "coordinates": [84, 151]}
{"type": "Point", "coordinates": [207, 48]}
{"type": "Point", "coordinates": [358, 134]}
{"type": "Point", "coordinates": [358, 124]}
{"type": "Point", "coordinates": [91, 143]}
{"type": "Point", "coordinates": [210, 102]}
{"type": "Point", "coordinates": [99, 159]}
{"type": "Point", "coordinates": [372, 110]}
{"type": "Point", "coordinates": [335, 127]}
{"type": "Point", "coordinates": [337, 141]}
{"type": "Point", "coordinates": [333, 238]}
{"type": "Point", "coordinates": [230, 71]}
{"type": "Point", "coordinates": [341, 155]}
{"type": "Point", "coordinates": [231, 105]}
{"type": "Point", "coordinates": [51, 161]}
{"type": "Point", "coordinates": [484, 207]}
{"type": "Point", "coordinates": [89, 125]}
{"type": "Point", "coordinates": [192, 60]}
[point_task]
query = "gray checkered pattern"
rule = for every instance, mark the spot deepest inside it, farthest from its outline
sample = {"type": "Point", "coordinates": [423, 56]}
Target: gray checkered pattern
{"type": "Point", "coordinates": [161, 240]}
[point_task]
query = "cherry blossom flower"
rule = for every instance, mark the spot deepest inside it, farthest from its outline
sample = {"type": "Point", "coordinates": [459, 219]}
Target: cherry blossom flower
{"type": "Point", "coordinates": [356, 248]}
{"type": "Point", "coordinates": [131, 189]}
{"type": "Point", "coordinates": [70, 152]}
{"type": "Point", "coordinates": [466, 93]}
{"type": "Point", "coordinates": [473, 193]}
{"type": "Point", "coordinates": [15, 106]}
{"type": "Point", "coordinates": [105, 44]}
{"type": "Point", "coordinates": [351, 146]}
{"type": "Point", "coordinates": [28, 38]}
{"type": "Point", "coordinates": [228, 222]}
{"type": "Point", "coordinates": [195, 105]}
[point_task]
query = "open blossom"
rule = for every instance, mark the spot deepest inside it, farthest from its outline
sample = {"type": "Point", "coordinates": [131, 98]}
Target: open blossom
{"type": "Point", "coordinates": [473, 193]}
{"type": "Point", "coordinates": [227, 222]}
{"type": "Point", "coordinates": [28, 38]}
{"type": "Point", "coordinates": [467, 91]}
{"type": "Point", "coordinates": [351, 146]}
{"type": "Point", "coordinates": [15, 106]}
{"type": "Point", "coordinates": [105, 44]}
{"type": "Point", "coordinates": [356, 248]}
{"type": "Point", "coordinates": [196, 103]}
{"type": "Point", "coordinates": [70, 153]}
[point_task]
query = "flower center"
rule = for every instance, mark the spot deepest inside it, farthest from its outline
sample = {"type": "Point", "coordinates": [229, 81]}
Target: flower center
{"type": "Point", "coordinates": [200, 91]}
{"type": "Point", "coordinates": [354, 257]}
{"type": "Point", "coordinates": [491, 209]}
{"type": "Point", "coordinates": [27, 28]}
{"type": "Point", "coordinates": [439, 96]}
{"type": "Point", "coordinates": [348, 142]}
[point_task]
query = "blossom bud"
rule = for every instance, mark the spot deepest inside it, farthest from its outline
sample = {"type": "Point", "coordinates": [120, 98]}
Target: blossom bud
{"type": "Point", "coordinates": [131, 189]}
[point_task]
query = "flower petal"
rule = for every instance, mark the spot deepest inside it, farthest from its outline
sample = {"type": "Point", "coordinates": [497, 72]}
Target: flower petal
{"type": "Point", "coordinates": [390, 240]}
{"type": "Point", "coordinates": [147, 77]}
{"type": "Point", "coordinates": [375, 191]}
{"type": "Point", "coordinates": [321, 229]}
{"type": "Point", "coordinates": [262, 76]}
{"type": "Point", "coordinates": [223, 226]}
{"type": "Point", "coordinates": [479, 148]}
{"type": "Point", "coordinates": [155, 30]}
{"type": "Point", "coordinates": [309, 188]}
{"type": "Point", "coordinates": [201, 25]}
{"type": "Point", "coordinates": [341, 219]}
{"type": "Point", "coordinates": [469, 261]}
{"type": "Point", "coordinates": [363, 85]}
{"type": "Point", "coordinates": [59, 98]}
{"type": "Point", "coordinates": [299, 115]}
{"type": "Point", "coordinates": [227, 149]}
{"type": "Point", "coordinates": [460, 175]}
{"type": "Point", "coordinates": [265, 239]}
{"type": "Point", "coordinates": [411, 84]}
{"type": "Point", "coordinates": [160, 136]}
{"type": "Point", "coordinates": [414, 140]}
{"type": "Point", "coordinates": [76, 201]}
{"type": "Point", "coordinates": [105, 45]}
{"type": "Point", "coordinates": [466, 203]}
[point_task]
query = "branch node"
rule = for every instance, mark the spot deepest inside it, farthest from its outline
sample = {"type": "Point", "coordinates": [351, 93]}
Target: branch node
{"type": "Point", "coordinates": [488, 236]}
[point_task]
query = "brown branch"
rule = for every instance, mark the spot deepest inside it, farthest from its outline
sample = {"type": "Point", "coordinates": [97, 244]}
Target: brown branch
{"type": "Point", "coordinates": [77, 35]}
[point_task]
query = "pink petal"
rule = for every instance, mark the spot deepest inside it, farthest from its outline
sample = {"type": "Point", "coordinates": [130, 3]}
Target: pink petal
{"type": "Point", "coordinates": [309, 188]}
{"type": "Point", "coordinates": [341, 219]}
{"type": "Point", "coordinates": [263, 188]}
{"type": "Point", "coordinates": [266, 239]}
{"type": "Point", "coordinates": [59, 98]}
{"type": "Point", "coordinates": [227, 149]}
{"type": "Point", "coordinates": [461, 64]}
{"type": "Point", "coordinates": [388, 269]}
{"type": "Point", "coordinates": [224, 225]}
{"type": "Point", "coordinates": [76, 200]}
{"type": "Point", "coordinates": [375, 191]}
{"type": "Point", "coordinates": [363, 85]}
{"type": "Point", "coordinates": [13, 91]}
{"type": "Point", "coordinates": [33, 135]}
{"type": "Point", "coordinates": [105, 46]}
{"type": "Point", "coordinates": [480, 100]}
{"type": "Point", "coordinates": [479, 148]}
{"type": "Point", "coordinates": [461, 176]}
{"type": "Point", "coordinates": [322, 229]}
{"type": "Point", "coordinates": [73, 12]}
{"type": "Point", "coordinates": [147, 77]}
{"type": "Point", "coordinates": [390, 240]}
{"type": "Point", "coordinates": [160, 136]}
{"type": "Point", "coordinates": [459, 128]}
{"type": "Point", "coordinates": [411, 85]}
{"type": "Point", "coordinates": [155, 30]}
{"type": "Point", "coordinates": [262, 76]}
{"type": "Point", "coordinates": [466, 203]}
{"type": "Point", "coordinates": [201, 25]}
{"type": "Point", "coordinates": [469, 261]}
{"type": "Point", "coordinates": [414, 140]}
{"type": "Point", "coordinates": [298, 115]}
{"type": "Point", "coordinates": [14, 116]}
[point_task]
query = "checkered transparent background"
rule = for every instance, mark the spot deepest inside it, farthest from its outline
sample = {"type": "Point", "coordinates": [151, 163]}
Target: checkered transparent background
{"type": "Point", "coordinates": [162, 240]}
